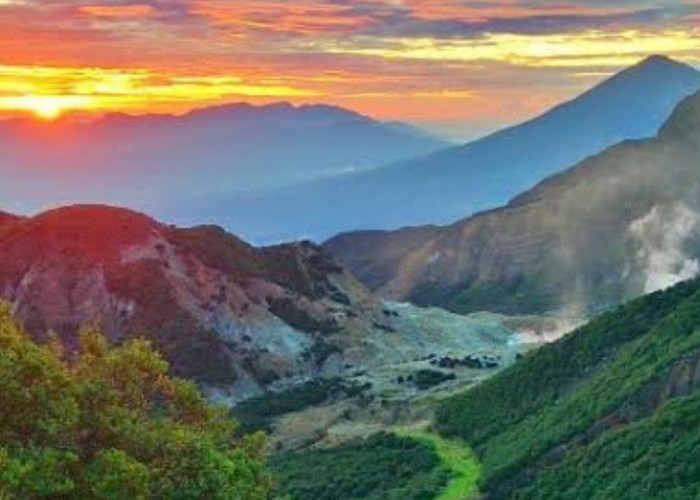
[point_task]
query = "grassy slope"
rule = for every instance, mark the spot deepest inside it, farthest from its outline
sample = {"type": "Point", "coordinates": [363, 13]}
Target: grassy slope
{"type": "Point", "coordinates": [560, 391]}
{"type": "Point", "coordinates": [413, 464]}
{"type": "Point", "coordinates": [456, 457]}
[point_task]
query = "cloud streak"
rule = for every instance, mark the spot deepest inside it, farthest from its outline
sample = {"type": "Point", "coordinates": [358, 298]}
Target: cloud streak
{"type": "Point", "coordinates": [451, 58]}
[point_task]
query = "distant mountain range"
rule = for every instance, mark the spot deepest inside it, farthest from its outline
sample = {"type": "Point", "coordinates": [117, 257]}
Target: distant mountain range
{"type": "Point", "coordinates": [619, 224]}
{"type": "Point", "coordinates": [451, 184]}
{"type": "Point", "coordinates": [160, 163]}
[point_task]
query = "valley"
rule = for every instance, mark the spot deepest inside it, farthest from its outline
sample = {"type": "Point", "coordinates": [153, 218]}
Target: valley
{"type": "Point", "coordinates": [447, 353]}
{"type": "Point", "coordinates": [282, 334]}
{"type": "Point", "coordinates": [241, 320]}
{"type": "Point", "coordinates": [591, 404]}
{"type": "Point", "coordinates": [609, 400]}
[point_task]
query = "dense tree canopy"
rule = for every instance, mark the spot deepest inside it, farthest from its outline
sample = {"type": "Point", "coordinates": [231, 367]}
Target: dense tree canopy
{"type": "Point", "coordinates": [609, 411]}
{"type": "Point", "coordinates": [109, 423]}
{"type": "Point", "coordinates": [382, 467]}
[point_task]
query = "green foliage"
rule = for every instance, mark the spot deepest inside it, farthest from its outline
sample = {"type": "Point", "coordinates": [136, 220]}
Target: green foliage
{"type": "Point", "coordinates": [543, 376]}
{"type": "Point", "coordinates": [426, 378]}
{"type": "Point", "coordinates": [114, 474]}
{"type": "Point", "coordinates": [111, 424]}
{"type": "Point", "coordinates": [383, 467]}
{"type": "Point", "coordinates": [257, 413]}
{"type": "Point", "coordinates": [655, 458]}
{"type": "Point", "coordinates": [456, 457]}
{"type": "Point", "coordinates": [556, 397]}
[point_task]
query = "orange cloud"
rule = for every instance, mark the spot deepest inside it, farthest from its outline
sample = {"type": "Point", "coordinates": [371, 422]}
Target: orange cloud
{"type": "Point", "coordinates": [304, 17]}
{"type": "Point", "coordinates": [117, 11]}
{"type": "Point", "coordinates": [390, 58]}
{"type": "Point", "coordinates": [500, 9]}
{"type": "Point", "coordinates": [50, 91]}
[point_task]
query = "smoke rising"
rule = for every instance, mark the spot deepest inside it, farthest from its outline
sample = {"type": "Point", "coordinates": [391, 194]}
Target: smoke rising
{"type": "Point", "coordinates": [663, 235]}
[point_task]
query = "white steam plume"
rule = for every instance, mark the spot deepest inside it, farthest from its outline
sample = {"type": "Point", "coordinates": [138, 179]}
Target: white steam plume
{"type": "Point", "coordinates": [663, 234]}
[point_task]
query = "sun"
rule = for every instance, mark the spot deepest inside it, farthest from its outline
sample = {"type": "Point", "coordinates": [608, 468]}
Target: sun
{"type": "Point", "coordinates": [46, 107]}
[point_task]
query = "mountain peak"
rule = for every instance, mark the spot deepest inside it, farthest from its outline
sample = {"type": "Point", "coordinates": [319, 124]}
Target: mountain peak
{"type": "Point", "coordinates": [92, 228]}
{"type": "Point", "coordinates": [659, 66]}
{"type": "Point", "coordinates": [663, 62]}
{"type": "Point", "coordinates": [656, 79]}
{"type": "Point", "coordinates": [88, 212]}
{"type": "Point", "coordinates": [658, 59]}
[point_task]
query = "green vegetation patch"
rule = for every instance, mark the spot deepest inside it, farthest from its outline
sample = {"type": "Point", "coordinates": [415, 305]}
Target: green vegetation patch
{"type": "Point", "coordinates": [456, 457]}
{"type": "Point", "coordinates": [110, 423]}
{"type": "Point", "coordinates": [383, 467]}
{"type": "Point", "coordinates": [522, 295]}
{"type": "Point", "coordinates": [426, 378]}
{"type": "Point", "coordinates": [545, 375]}
{"type": "Point", "coordinates": [655, 458]}
{"type": "Point", "coordinates": [544, 410]}
{"type": "Point", "coordinates": [257, 413]}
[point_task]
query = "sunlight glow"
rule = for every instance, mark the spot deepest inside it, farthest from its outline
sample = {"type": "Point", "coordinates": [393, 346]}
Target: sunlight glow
{"type": "Point", "coordinates": [559, 50]}
{"type": "Point", "coordinates": [46, 107]}
{"type": "Point", "coordinates": [36, 89]}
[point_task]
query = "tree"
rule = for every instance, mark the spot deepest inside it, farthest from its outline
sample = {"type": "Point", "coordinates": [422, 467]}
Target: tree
{"type": "Point", "coordinates": [107, 422]}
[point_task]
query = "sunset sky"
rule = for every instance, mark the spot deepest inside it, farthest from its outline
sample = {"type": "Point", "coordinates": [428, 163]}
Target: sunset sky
{"type": "Point", "coordinates": [437, 62]}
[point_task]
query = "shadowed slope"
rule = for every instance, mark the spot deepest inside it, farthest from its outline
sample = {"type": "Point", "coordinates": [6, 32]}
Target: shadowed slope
{"type": "Point", "coordinates": [621, 223]}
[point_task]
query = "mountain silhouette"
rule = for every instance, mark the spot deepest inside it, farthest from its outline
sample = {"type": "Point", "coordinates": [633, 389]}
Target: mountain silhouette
{"type": "Point", "coordinates": [458, 181]}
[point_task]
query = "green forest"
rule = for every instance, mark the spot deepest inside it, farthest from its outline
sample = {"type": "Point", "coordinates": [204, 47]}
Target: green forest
{"type": "Point", "coordinates": [110, 423]}
{"type": "Point", "coordinates": [382, 467]}
{"type": "Point", "coordinates": [606, 409]}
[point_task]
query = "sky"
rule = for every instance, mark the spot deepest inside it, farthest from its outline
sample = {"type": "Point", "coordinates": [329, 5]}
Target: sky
{"type": "Point", "coordinates": [460, 67]}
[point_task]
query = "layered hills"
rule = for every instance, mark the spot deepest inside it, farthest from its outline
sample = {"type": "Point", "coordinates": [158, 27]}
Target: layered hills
{"type": "Point", "coordinates": [617, 225]}
{"type": "Point", "coordinates": [442, 187]}
{"type": "Point", "coordinates": [148, 161]}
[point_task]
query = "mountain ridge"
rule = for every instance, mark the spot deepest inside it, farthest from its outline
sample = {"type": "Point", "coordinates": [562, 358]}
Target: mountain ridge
{"type": "Point", "coordinates": [155, 162]}
{"type": "Point", "coordinates": [242, 321]}
{"type": "Point", "coordinates": [222, 312]}
{"type": "Point", "coordinates": [441, 187]}
{"type": "Point", "coordinates": [545, 244]}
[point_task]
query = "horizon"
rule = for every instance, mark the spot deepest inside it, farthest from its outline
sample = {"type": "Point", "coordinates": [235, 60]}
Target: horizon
{"type": "Point", "coordinates": [451, 132]}
{"type": "Point", "coordinates": [465, 69]}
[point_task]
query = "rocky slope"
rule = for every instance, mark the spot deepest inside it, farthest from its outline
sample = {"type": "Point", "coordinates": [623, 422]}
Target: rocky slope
{"type": "Point", "coordinates": [459, 181]}
{"type": "Point", "coordinates": [6, 218]}
{"type": "Point", "coordinates": [619, 224]}
{"type": "Point", "coordinates": [236, 318]}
